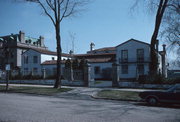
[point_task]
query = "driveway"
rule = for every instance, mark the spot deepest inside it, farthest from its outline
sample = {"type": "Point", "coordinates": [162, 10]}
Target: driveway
{"type": "Point", "coordinates": [79, 108]}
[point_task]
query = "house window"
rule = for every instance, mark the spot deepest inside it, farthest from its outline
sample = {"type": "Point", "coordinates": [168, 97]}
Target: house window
{"type": "Point", "coordinates": [140, 69]}
{"type": "Point", "coordinates": [35, 59]}
{"type": "Point", "coordinates": [124, 55]}
{"type": "Point", "coordinates": [25, 59]}
{"type": "Point", "coordinates": [140, 55]}
{"type": "Point", "coordinates": [124, 69]}
{"type": "Point", "coordinates": [97, 70]}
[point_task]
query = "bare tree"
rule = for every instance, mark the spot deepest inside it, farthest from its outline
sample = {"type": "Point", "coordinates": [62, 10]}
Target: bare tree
{"type": "Point", "coordinates": [159, 15]}
{"type": "Point", "coordinates": [166, 22]}
{"type": "Point", "coordinates": [57, 11]}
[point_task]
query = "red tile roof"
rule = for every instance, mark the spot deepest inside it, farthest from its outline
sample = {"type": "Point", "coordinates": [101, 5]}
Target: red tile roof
{"type": "Point", "coordinates": [97, 54]}
{"type": "Point", "coordinates": [48, 52]}
{"type": "Point", "coordinates": [100, 60]}
{"type": "Point", "coordinates": [104, 49]}
{"type": "Point", "coordinates": [52, 62]}
{"type": "Point", "coordinates": [93, 60]}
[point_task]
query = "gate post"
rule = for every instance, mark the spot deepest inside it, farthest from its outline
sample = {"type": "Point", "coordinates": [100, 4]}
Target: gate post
{"type": "Point", "coordinates": [115, 75]}
{"type": "Point", "coordinates": [87, 74]}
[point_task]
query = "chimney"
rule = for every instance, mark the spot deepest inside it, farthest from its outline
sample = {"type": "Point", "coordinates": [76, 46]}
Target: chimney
{"type": "Point", "coordinates": [22, 36]}
{"type": "Point", "coordinates": [157, 45]}
{"type": "Point", "coordinates": [92, 46]}
{"type": "Point", "coordinates": [164, 48]}
{"type": "Point", "coordinates": [164, 68]}
{"type": "Point", "coordinates": [41, 38]}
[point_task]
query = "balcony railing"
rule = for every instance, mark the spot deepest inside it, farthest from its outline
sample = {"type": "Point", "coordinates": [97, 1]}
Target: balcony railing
{"type": "Point", "coordinates": [135, 60]}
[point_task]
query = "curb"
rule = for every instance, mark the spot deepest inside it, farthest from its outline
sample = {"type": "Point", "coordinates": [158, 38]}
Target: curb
{"type": "Point", "coordinates": [95, 96]}
{"type": "Point", "coordinates": [27, 93]}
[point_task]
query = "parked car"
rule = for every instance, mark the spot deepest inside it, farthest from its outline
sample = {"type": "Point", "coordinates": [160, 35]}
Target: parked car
{"type": "Point", "coordinates": [172, 95]}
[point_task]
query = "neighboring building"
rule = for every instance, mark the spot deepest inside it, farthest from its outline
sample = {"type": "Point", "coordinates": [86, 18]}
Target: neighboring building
{"type": "Point", "coordinates": [33, 58]}
{"type": "Point", "coordinates": [17, 44]}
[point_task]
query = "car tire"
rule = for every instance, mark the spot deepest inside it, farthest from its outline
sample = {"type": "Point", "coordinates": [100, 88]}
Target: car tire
{"type": "Point", "coordinates": [152, 101]}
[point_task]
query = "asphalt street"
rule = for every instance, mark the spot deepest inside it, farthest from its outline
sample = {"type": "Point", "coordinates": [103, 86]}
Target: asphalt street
{"type": "Point", "coordinates": [79, 108]}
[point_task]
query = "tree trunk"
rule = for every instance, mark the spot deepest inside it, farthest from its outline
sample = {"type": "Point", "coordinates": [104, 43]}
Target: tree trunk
{"type": "Point", "coordinates": [154, 53]}
{"type": "Point", "coordinates": [59, 51]}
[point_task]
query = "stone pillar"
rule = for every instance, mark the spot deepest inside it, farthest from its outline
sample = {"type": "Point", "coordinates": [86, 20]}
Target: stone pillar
{"type": "Point", "coordinates": [87, 75]}
{"type": "Point", "coordinates": [69, 74]}
{"type": "Point", "coordinates": [41, 38]}
{"type": "Point", "coordinates": [115, 75]}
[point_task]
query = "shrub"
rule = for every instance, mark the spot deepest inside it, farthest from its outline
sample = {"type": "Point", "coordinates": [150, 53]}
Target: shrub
{"type": "Point", "coordinates": [156, 79]}
{"type": "Point", "coordinates": [53, 77]}
{"type": "Point", "coordinates": [75, 64]}
{"type": "Point", "coordinates": [68, 63]}
{"type": "Point", "coordinates": [142, 79]}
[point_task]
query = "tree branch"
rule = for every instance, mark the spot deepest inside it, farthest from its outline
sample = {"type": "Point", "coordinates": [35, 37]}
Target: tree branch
{"type": "Point", "coordinates": [50, 5]}
{"type": "Point", "coordinates": [55, 11]}
{"type": "Point", "coordinates": [46, 11]}
{"type": "Point", "coordinates": [66, 7]}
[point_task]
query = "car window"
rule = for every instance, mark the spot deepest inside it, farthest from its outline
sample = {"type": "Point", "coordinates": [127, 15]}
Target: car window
{"type": "Point", "coordinates": [171, 89]}
{"type": "Point", "coordinates": [175, 88]}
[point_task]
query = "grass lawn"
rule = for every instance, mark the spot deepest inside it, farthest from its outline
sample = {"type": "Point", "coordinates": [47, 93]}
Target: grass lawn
{"type": "Point", "coordinates": [34, 90]}
{"type": "Point", "coordinates": [97, 82]}
{"type": "Point", "coordinates": [119, 95]}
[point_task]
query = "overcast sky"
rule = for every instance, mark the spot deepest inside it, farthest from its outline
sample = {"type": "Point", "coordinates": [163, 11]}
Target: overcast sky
{"type": "Point", "coordinates": [104, 23]}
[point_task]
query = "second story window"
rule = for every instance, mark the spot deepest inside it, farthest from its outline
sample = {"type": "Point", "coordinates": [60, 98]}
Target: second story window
{"type": "Point", "coordinates": [35, 59]}
{"type": "Point", "coordinates": [140, 55]}
{"type": "Point", "coordinates": [124, 55]}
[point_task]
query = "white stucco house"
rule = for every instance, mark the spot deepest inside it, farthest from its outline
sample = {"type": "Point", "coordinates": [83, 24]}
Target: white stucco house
{"type": "Point", "coordinates": [33, 58]}
{"type": "Point", "coordinates": [133, 58]}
